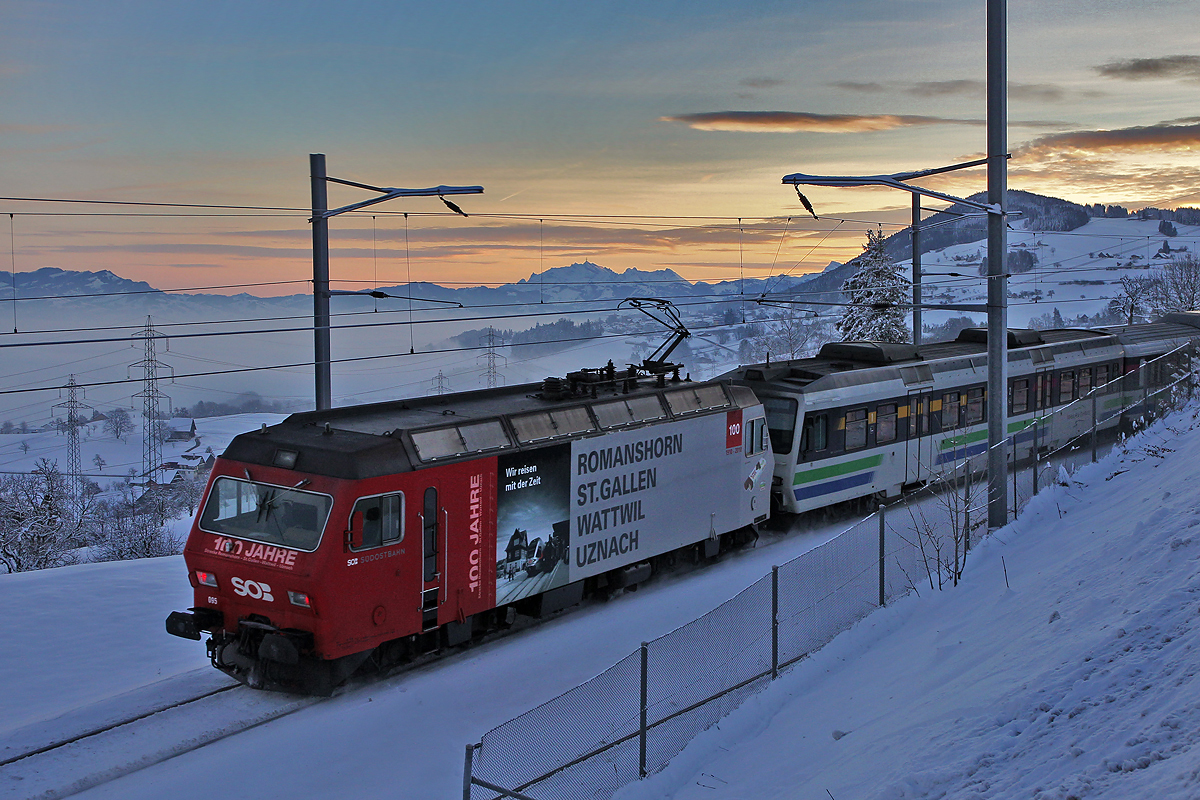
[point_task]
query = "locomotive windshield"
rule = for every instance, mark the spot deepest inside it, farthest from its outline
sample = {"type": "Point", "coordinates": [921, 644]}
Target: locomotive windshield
{"type": "Point", "coordinates": [781, 421]}
{"type": "Point", "coordinates": [272, 514]}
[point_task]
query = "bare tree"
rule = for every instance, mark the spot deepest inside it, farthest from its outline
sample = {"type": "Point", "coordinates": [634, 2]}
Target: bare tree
{"type": "Point", "coordinates": [1132, 301]}
{"type": "Point", "coordinates": [99, 461]}
{"type": "Point", "coordinates": [119, 424]}
{"type": "Point", "coordinates": [24, 447]}
{"type": "Point", "coordinates": [792, 336]}
{"type": "Point", "coordinates": [1176, 286]}
{"type": "Point", "coordinates": [37, 528]}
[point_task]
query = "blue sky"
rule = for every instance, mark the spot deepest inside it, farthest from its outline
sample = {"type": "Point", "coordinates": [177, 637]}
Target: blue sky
{"type": "Point", "coordinates": [605, 108]}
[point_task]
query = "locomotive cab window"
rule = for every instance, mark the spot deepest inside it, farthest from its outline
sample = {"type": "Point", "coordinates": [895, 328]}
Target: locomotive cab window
{"type": "Point", "coordinates": [815, 436]}
{"type": "Point", "coordinates": [856, 429]}
{"type": "Point", "coordinates": [781, 421]}
{"type": "Point", "coordinates": [377, 521]}
{"type": "Point", "coordinates": [756, 436]}
{"type": "Point", "coordinates": [277, 515]}
{"type": "Point", "coordinates": [885, 427]}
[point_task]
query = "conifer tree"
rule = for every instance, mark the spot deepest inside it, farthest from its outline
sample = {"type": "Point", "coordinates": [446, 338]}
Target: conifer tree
{"type": "Point", "coordinates": [877, 282]}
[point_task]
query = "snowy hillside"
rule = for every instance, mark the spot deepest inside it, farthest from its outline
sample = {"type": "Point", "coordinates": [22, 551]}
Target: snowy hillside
{"type": "Point", "coordinates": [1076, 271]}
{"type": "Point", "coordinates": [1077, 678]}
{"type": "Point", "coordinates": [1064, 666]}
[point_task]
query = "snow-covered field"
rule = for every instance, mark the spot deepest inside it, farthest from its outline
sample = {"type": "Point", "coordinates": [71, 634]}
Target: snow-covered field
{"type": "Point", "coordinates": [1077, 677]}
{"type": "Point", "coordinates": [1076, 271]}
{"type": "Point", "coordinates": [1065, 666]}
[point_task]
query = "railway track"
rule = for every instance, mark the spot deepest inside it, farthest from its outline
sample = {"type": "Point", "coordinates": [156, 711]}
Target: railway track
{"type": "Point", "coordinates": [75, 763]}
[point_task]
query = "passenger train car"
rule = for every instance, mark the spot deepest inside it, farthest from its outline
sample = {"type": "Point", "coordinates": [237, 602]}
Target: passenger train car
{"type": "Point", "coordinates": [867, 418]}
{"type": "Point", "coordinates": [354, 538]}
{"type": "Point", "coordinates": [374, 532]}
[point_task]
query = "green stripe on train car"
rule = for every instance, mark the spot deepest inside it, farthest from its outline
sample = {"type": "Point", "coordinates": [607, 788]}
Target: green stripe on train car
{"type": "Point", "coordinates": [835, 470]}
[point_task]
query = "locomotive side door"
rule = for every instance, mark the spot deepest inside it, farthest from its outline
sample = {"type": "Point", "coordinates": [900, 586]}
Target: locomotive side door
{"type": "Point", "coordinates": [432, 518]}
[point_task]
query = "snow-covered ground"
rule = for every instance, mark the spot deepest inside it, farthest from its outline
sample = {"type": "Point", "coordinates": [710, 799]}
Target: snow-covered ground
{"type": "Point", "coordinates": [1065, 666]}
{"type": "Point", "coordinates": [1076, 271]}
{"type": "Point", "coordinates": [1078, 677]}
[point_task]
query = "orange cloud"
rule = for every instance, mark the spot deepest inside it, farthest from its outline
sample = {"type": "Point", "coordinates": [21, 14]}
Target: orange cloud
{"type": "Point", "coordinates": [801, 121]}
{"type": "Point", "coordinates": [1163, 136]}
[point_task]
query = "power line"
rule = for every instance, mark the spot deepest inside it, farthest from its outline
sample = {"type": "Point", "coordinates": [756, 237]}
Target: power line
{"type": "Point", "coordinates": [353, 359]}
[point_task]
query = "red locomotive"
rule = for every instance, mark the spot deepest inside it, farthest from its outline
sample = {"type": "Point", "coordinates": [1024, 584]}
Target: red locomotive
{"type": "Point", "coordinates": [351, 539]}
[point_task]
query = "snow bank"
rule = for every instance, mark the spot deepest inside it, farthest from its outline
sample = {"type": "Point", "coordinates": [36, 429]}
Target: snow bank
{"type": "Point", "coordinates": [1064, 666]}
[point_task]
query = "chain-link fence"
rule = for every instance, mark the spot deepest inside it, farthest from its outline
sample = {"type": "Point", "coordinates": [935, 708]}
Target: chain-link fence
{"type": "Point", "coordinates": [631, 719]}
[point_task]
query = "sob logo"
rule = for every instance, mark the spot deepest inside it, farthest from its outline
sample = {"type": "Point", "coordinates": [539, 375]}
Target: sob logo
{"type": "Point", "coordinates": [252, 589]}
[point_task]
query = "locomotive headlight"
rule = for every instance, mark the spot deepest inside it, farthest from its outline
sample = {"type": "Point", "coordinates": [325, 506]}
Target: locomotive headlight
{"type": "Point", "coordinates": [299, 599]}
{"type": "Point", "coordinates": [206, 578]}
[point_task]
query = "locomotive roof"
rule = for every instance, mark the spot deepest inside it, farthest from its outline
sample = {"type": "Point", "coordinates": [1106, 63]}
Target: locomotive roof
{"type": "Point", "coordinates": [402, 435]}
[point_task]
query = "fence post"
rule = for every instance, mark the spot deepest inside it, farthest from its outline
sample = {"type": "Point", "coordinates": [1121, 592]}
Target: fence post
{"type": "Point", "coordinates": [642, 734]}
{"type": "Point", "coordinates": [774, 622]}
{"type": "Point", "coordinates": [1014, 474]}
{"type": "Point", "coordinates": [1037, 455]}
{"type": "Point", "coordinates": [882, 558]}
{"type": "Point", "coordinates": [1093, 426]}
{"type": "Point", "coordinates": [467, 772]}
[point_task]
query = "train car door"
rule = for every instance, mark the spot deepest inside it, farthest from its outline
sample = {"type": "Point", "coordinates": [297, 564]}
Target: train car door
{"type": "Point", "coordinates": [432, 518]}
{"type": "Point", "coordinates": [916, 446]}
{"type": "Point", "coordinates": [1044, 402]}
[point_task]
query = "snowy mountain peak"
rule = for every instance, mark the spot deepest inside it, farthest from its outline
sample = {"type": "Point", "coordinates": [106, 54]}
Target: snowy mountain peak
{"type": "Point", "coordinates": [52, 281]}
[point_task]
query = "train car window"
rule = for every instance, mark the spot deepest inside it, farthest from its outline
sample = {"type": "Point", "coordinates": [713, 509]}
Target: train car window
{"type": "Point", "coordinates": [438, 443]}
{"type": "Point", "coordinates": [815, 436]}
{"type": "Point", "coordinates": [1102, 377]}
{"type": "Point", "coordinates": [885, 423]}
{"type": "Point", "coordinates": [756, 436]}
{"type": "Point", "coordinates": [1047, 389]}
{"type": "Point", "coordinates": [700, 398]}
{"type": "Point", "coordinates": [1066, 386]}
{"type": "Point", "coordinates": [974, 406]}
{"type": "Point", "coordinates": [1085, 381]}
{"type": "Point", "coordinates": [273, 514]}
{"type": "Point", "coordinates": [382, 520]}
{"type": "Point", "coordinates": [1020, 397]}
{"type": "Point", "coordinates": [918, 421]}
{"type": "Point", "coordinates": [781, 421]}
{"type": "Point", "coordinates": [949, 411]}
{"type": "Point", "coordinates": [856, 429]}
{"type": "Point", "coordinates": [487, 435]}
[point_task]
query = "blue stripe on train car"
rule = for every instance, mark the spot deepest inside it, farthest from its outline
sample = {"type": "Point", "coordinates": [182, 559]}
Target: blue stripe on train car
{"type": "Point", "coordinates": [961, 452]}
{"type": "Point", "coordinates": [848, 482]}
{"type": "Point", "coordinates": [1026, 435]}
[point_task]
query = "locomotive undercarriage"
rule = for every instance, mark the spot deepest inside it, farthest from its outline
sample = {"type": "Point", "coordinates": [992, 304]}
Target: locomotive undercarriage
{"type": "Point", "coordinates": [264, 656]}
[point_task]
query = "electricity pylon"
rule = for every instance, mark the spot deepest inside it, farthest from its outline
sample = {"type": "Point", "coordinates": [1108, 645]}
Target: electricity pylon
{"type": "Point", "coordinates": [151, 397]}
{"type": "Point", "coordinates": [491, 374]}
{"type": "Point", "coordinates": [73, 407]}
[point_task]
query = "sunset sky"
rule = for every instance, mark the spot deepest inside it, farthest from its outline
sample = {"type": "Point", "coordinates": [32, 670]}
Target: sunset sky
{"type": "Point", "coordinates": [686, 113]}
